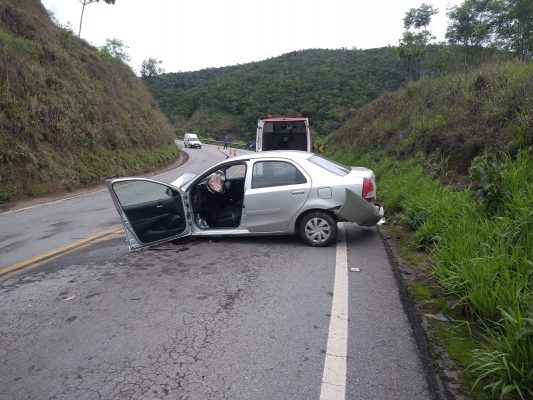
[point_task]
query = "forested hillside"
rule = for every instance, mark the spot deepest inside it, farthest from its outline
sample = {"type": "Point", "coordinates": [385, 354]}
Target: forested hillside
{"type": "Point", "coordinates": [325, 85]}
{"type": "Point", "coordinates": [70, 115]}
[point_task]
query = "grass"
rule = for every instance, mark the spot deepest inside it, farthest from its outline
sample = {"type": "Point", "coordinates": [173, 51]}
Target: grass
{"type": "Point", "coordinates": [69, 118]}
{"type": "Point", "coordinates": [480, 248]}
{"type": "Point", "coordinates": [451, 115]}
{"type": "Point", "coordinates": [458, 337]}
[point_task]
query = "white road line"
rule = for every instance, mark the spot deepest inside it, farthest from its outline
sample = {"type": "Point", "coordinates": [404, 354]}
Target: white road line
{"type": "Point", "coordinates": [333, 385]}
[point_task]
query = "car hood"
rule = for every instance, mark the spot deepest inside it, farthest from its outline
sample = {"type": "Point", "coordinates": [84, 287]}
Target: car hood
{"type": "Point", "coordinates": [182, 181]}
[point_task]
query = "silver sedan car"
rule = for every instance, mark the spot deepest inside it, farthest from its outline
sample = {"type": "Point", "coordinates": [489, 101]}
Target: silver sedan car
{"type": "Point", "coordinates": [274, 193]}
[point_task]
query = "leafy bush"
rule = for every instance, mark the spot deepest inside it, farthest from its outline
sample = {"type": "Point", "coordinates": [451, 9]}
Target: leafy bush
{"type": "Point", "coordinates": [486, 173]}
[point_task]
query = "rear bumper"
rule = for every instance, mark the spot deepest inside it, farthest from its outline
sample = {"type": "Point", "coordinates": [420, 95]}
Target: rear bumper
{"type": "Point", "coordinates": [357, 209]}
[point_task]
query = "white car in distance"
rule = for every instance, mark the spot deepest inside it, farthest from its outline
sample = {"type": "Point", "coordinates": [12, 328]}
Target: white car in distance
{"type": "Point", "coordinates": [191, 140]}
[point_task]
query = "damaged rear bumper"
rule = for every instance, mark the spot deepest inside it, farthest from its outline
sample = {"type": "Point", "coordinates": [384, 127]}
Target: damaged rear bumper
{"type": "Point", "coordinates": [356, 209]}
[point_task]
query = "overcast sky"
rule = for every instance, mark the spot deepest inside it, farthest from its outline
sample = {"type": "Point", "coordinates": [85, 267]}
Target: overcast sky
{"type": "Point", "coordinates": [189, 35]}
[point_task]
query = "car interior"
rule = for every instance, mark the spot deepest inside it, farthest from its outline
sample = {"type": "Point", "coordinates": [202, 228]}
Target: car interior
{"type": "Point", "coordinates": [217, 199]}
{"type": "Point", "coordinates": [285, 135]}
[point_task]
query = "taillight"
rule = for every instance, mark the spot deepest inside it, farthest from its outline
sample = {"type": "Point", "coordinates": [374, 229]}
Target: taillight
{"type": "Point", "coordinates": [368, 188]}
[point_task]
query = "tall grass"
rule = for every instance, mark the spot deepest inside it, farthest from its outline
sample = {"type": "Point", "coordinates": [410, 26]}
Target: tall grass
{"type": "Point", "coordinates": [481, 248]}
{"type": "Point", "coordinates": [457, 115]}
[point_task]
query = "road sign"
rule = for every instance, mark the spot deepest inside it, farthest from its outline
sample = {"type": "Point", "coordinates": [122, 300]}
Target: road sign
{"type": "Point", "coordinates": [321, 148]}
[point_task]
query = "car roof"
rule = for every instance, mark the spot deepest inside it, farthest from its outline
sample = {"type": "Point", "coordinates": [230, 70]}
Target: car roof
{"type": "Point", "coordinates": [292, 154]}
{"type": "Point", "coordinates": [284, 119]}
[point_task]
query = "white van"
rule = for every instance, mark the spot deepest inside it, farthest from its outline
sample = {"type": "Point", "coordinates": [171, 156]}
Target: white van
{"type": "Point", "coordinates": [283, 133]}
{"type": "Point", "coordinates": [191, 140]}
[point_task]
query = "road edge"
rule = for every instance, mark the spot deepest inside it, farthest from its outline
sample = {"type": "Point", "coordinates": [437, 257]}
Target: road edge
{"type": "Point", "coordinates": [95, 187]}
{"type": "Point", "coordinates": [437, 386]}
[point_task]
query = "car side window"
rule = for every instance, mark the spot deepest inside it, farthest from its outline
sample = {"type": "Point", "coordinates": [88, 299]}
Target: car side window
{"type": "Point", "coordinates": [275, 173]}
{"type": "Point", "coordinates": [137, 192]}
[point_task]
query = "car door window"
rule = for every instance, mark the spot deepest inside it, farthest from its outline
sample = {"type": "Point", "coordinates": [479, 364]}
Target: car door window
{"type": "Point", "coordinates": [152, 211]}
{"type": "Point", "coordinates": [137, 192]}
{"type": "Point", "coordinates": [275, 173]}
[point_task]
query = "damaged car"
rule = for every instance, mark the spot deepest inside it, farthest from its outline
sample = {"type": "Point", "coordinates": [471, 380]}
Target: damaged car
{"type": "Point", "coordinates": [274, 193]}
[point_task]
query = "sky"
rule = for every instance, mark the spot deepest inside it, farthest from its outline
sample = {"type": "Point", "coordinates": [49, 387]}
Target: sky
{"type": "Point", "coordinates": [188, 35]}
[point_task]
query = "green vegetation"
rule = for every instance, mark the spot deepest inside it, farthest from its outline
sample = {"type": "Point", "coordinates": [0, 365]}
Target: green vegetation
{"type": "Point", "coordinates": [454, 162]}
{"type": "Point", "coordinates": [481, 254]}
{"type": "Point", "coordinates": [453, 153]}
{"type": "Point", "coordinates": [71, 115]}
{"type": "Point", "coordinates": [328, 86]}
{"type": "Point", "coordinates": [503, 24]}
{"type": "Point", "coordinates": [455, 116]}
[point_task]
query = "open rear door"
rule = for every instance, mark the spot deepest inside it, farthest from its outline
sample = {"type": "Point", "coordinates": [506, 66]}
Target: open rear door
{"type": "Point", "coordinates": [357, 209]}
{"type": "Point", "coordinates": [259, 136]}
{"type": "Point", "coordinates": [152, 212]}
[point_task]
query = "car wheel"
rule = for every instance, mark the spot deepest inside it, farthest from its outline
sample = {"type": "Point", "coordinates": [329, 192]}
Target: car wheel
{"type": "Point", "coordinates": [318, 229]}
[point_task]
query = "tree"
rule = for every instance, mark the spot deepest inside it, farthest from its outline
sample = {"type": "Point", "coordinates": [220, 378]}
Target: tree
{"type": "Point", "coordinates": [419, 17]}
{"type": "Point", "coordinates": [414, 41]}
{"type": "Point", "coordinates": [514, 26]}
{"type": "Point", "coordinates": [151, 67]}
{"type": "Point", "coordinates": [84, 3]}
{"type": "Point", "coordinates": [472, 24]}
{"type": "Point", "coordinates": [115, 48]}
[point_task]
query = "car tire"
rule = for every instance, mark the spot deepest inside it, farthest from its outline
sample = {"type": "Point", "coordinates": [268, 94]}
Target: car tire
{"type": "Point", "coordinates": [318, 229]}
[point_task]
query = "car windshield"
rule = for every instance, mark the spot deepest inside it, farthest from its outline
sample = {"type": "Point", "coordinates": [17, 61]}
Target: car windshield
{"type": "Point", "coordinates": [331, 166]}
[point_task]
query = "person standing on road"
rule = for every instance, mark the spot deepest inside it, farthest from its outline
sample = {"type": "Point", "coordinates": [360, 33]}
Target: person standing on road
{"type": "Point", "coordinates": [226, 141]}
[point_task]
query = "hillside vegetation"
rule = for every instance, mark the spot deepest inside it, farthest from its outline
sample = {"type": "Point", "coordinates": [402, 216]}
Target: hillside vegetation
{"type": "Point", "coordinates": [456, 116]}
{"type": "Point", "coordinates": [327, 86]}
{"type": "Point", "coordinates": [69, 115]}
{"type": "Point", "coordinates": [455, 168]}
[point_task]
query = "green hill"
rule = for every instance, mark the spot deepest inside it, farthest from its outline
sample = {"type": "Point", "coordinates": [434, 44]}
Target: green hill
{"type": "Point", "coordinates": [69, 116]}
{"type": "Point", "coordinates": [454, 162]}
{"type": "Point", "coordinates": [456, 116]}
{"type": "Point", "coordinates": [328, 86]}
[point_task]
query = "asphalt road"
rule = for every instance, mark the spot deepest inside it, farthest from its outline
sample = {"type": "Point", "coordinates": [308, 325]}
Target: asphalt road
{"type": "Point", "coordinates": [36, 229]}
{"type": "Point", "coordinates": [236, 318]}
